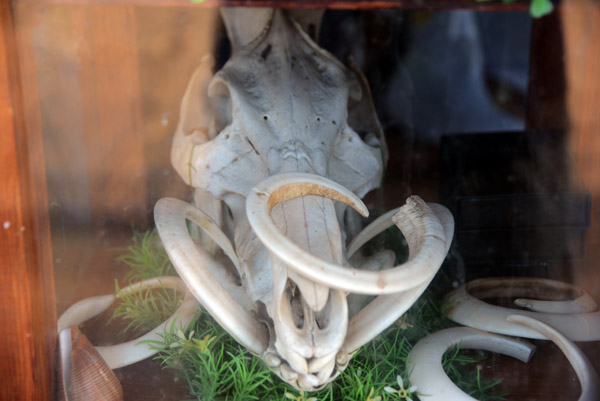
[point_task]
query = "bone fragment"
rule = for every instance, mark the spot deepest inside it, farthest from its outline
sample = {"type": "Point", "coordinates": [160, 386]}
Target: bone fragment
{"type": "Point", "coordinates": [590, 382]}
{"type": "Point", "coordinates": [127, 353]}
{"type": "Point", "coordinates": [465, 308]}
{"type": "Point", "coordinates": [425, 359]}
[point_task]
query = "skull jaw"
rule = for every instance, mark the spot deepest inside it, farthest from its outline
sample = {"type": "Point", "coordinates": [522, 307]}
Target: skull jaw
{"type": "Point", "coordinates": [308, 321]}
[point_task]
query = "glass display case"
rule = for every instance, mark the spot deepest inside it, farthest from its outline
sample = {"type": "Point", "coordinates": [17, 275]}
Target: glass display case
{"type": "Point", "coordinates": [487, 111]}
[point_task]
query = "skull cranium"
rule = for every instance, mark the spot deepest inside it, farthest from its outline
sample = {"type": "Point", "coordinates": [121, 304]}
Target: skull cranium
{"type": "Point", "coordinates": [268, 156]}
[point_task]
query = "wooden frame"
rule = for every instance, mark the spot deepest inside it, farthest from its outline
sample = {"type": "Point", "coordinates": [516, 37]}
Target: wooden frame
{"type": "Point", "coordinates": [28, 313]}
{"type": "Point", "coordinates": [26, 276]}
{"type": "Point", "coordinates": [331, 4]}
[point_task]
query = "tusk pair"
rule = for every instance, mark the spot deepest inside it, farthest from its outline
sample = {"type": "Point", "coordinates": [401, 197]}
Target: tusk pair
{"type": "Point", "coordinates": [192, 264]}
{"type": "Point", "coordinates": [466, 308]}
{"type": "Point", "coordinates": [421, 227]}
{"type": "Point", "coordinates": [127, 353]}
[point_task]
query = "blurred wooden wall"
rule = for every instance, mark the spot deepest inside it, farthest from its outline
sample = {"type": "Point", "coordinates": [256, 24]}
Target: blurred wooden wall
{"type": "Point", "coordinates": [102, 86]}
{"type": "Point", "coordinates": [110, 79]}
{"type": "Point", "coordinates": [581, 27]}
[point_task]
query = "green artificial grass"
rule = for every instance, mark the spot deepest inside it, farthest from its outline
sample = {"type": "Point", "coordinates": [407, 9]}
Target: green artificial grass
{"type": "Point", "coordinates": [145, 257]}
{"type": "Point", "coordinates": [216, 367]}
{"type": "Point", "coordinates": [145, 309]}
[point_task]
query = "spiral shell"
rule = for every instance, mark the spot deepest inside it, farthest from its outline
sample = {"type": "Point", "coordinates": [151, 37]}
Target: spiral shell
{"type": "Point", "coordinates": [83, 374]}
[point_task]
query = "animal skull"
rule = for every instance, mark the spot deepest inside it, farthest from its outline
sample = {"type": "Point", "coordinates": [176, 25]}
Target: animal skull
{"type": "Point", "coordinates": [268, 155]}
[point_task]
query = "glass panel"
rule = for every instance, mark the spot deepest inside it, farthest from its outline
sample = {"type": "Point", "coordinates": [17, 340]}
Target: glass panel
{"type": "Point", "coordinates": [490, 114]}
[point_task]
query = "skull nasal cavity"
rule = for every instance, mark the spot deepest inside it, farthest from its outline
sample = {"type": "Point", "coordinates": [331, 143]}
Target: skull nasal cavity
{"type": "Point", "coordinates": [294, 297]}
{"type": "Point", "coordinates": [299, 309]}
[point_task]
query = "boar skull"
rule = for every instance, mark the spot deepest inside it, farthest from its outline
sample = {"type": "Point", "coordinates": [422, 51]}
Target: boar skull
{"type": "Point", "coordinates": [268, 155]}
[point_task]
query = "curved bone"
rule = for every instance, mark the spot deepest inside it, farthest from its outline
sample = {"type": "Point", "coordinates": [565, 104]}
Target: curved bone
{"type": "Point", "coordinates": [532, 286]}
{"type": "Point", "coordinates": [465, 308]}
{"type": "Point", "coordinates": [590, 383]}
{"type": "Point", "coordinates": [386, 309]}
{"type": "Point", "coordinates": [124, 354]}
{"type": "Point", "coordinates": [425, 359]}
{"type": "Point", "coordinates": [385, 221]}
{"type": "Point", "coordinates": [170, 216]}
{"type": "Point", "coordinates": [536, 287]}
{"type": "Point", "coordinates": [422, 229]}
{"type": "Point", "coordinates": [376, 227]}
{"type": "Point", "coordinates": [583, 304]}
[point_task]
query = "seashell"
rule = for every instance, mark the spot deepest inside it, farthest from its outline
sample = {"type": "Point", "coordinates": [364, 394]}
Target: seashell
{"type": "Point", "coordinates": [83, 374]}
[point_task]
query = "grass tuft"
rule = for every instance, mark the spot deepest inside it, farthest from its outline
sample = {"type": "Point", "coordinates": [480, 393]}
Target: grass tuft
{"type": "Point", "coordinates": [145, 309]}
{"type": "Point", "coordinates": [145, 257]}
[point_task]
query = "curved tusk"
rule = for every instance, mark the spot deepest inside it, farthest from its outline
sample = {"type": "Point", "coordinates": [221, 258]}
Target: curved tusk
{"type": "Point", "coordinates": [385, 221]}
{"type": "Point", "coordinates": [425, 359]}
{"type": "Point", "coordinates": [376, 227]}
{"type": "Point", "coordinates": [378, 315]}
{"type": "Point", "coordinates": [170, 216]}
{"type": "Point", "coordinates": [386, 309]}
{"type": "Point", "coordinates": [590, 383]}
{"type": "Point", "coordinates": [582, 304]}
{"type": "Point", "coordinates": [545, 287]}
{"type": "Point", "coordinates": [281, 187]}
{"type": "Point", "coordinates": [465, 308]}
{"type": "Point", "coordinates": [127, 353]}
{"type": "Point", "coordinates": [421, 227]}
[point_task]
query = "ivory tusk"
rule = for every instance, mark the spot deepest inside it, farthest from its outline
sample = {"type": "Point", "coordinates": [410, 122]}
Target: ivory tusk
{"type": "Point", "coordinates": [379, 314]}
{"type": "Point", "coordinates": [376, 227]}
{"type": "Point", "coordinates": [425, 359]}
{"type": "Point", "coordinates": [590, 383]}
{"type": "Point", "coordinates": [423, 231]}
{"type": "Point", "coordinates": [582, 304]}
{"type": "Point", "coordinates": [386, 309]}
{"type": "Point", "coordinates": [127, 353]}
{"type": "Point", "coordinates": [385, 221]}
{"type": "Point", "coordinates": [465, 308]}
{"type": "Point", "coordinates": [170, 216]}
{"type": "Point", "coordinates": [281, 187]}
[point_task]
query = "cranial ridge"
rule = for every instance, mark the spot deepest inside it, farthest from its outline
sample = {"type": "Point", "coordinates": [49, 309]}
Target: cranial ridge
{"type": "Point", "coordinates": [267, 151]}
